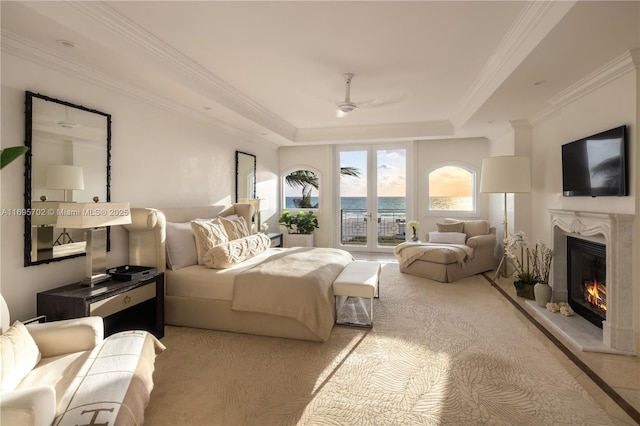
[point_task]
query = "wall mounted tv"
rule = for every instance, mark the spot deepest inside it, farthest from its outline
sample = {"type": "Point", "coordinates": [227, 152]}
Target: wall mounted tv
{"type": "Point", "coordinates": [597, 165]}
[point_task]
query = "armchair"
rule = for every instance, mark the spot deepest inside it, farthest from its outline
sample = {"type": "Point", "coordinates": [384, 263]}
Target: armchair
{"type": "Point", "coordinates": [48, 370]}
{"type": "Point", "coordinates": [456, 250]}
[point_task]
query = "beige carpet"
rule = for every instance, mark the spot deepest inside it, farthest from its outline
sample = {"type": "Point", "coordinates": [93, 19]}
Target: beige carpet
{"type": "Point", "coordinates": [439, 354]}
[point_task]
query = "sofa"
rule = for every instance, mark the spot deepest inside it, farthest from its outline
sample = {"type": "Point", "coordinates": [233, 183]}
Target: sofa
{"type": "Point", "coordinates": [457, 249]}
{"type": "Point", "coordinates": [67, 373]}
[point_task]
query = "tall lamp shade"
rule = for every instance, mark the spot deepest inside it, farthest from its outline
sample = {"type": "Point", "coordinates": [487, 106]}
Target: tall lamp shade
{"type": "Point", "coordinates": [511, 174]}
{"type": "Point", "coordinates": [505, 174]}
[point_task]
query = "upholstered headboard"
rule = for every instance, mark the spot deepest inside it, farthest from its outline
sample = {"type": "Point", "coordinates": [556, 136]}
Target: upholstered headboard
{"type": "Point", "coordinates": [148, 229]}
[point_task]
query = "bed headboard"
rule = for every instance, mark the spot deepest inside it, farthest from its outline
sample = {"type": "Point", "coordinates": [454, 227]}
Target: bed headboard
{"type": "Point", "coordinates": [148, 229]}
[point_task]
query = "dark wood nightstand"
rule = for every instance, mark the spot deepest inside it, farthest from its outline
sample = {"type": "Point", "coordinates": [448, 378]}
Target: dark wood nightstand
{"type": "Point", "coordinates": [124, 305]}
{"type": "Point", "coordinates": [276, 239]}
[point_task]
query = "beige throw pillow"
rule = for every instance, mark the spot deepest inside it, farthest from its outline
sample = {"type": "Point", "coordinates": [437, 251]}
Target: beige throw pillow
{"type": "Point", "coordinates": [450, 227]}
{"type": "Point", "coordinates": [236, 228]}
{"type": "Point", "coordinates": [235, 251]}
{"type": "Point", "coordinates": [19, 354]}
{"type": "Point", "coordinates": [208, 234]}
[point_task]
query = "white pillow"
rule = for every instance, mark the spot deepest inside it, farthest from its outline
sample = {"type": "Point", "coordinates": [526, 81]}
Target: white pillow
{"type": "Point", "coordinates": [236, 251]}
{"type": "Point", "coordinates": [447, 237]}
{"type": "Point", "coordinates": [180, 245]}
{"type": "Point", "coordinates": [236, 228]}
{"type": "Point", "coordinates": [208, 235]}
{"type": "Point", "coordinates": [19, 354]}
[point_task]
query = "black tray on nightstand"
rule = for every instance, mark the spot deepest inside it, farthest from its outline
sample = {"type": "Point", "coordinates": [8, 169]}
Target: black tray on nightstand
{"type": "Point", "coordinates": [132, 272]}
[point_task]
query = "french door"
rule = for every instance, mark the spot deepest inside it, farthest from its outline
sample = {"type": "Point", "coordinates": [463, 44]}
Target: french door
{"type": "Point", "coordinates": [373, 197]}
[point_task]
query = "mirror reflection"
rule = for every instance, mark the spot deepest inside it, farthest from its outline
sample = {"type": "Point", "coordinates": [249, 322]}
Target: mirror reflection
{"type": "Point", "coordinates": [245, 176]}
{"type": "Point", "coordinates": [68, 161]}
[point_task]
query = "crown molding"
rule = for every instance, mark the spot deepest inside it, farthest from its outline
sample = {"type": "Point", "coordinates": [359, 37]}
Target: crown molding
{"type": "Point", "coordinates": [604, 75]}
{"type": "Point", "coordinates": [537, 19]}
{"type": "Point", "coordinates": [25, 49]}
{"type": "Point", "coordinates": [201, 79]}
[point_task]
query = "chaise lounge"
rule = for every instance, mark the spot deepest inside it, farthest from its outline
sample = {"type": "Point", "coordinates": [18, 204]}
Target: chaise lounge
{"type": "Point", "coordinates": [456, 250]}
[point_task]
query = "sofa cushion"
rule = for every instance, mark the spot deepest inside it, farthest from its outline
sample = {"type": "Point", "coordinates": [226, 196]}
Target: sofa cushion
{"type": "Point", "coordinates": [19, 354]}
{"type": "Point", "coordinates": [181, 246]}
{"type": "Point", "coordinates": [208, 234]}
{"type": "Point", "coordinates": [450, 227]}
{"type": "Point", "coordinates": [447, 237]}
{"type": "Point", "coordinates": [235, 251]}
{"type": "Point", "coordinates": [476, 227]}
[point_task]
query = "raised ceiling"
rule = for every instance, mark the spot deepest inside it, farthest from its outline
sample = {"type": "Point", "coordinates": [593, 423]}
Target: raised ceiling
{"type": "Point", "coordinates": [268, 70]}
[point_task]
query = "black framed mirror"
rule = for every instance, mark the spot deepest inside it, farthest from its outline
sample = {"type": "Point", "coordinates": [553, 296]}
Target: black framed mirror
{"type": "Point", "coordinates": [245, 176]}
{"type": "Point", "coordinates": [69, 160]}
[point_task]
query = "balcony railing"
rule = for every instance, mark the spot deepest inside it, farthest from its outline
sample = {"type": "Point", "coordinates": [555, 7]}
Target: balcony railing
{"type": "Point", "coordinates": [391, 224]}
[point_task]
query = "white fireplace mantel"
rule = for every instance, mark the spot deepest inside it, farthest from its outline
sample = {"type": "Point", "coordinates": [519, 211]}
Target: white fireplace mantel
{"type": "Point", "coordinates": [614, 230]}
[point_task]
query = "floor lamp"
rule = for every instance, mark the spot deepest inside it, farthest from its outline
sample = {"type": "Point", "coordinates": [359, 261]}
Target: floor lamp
{"type": "Point", "coordinates": [505, 175]}
{"type": "Point", "coordinates": [67, 178]}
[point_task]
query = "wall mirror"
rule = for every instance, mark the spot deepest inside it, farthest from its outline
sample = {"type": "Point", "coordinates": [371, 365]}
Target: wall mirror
{"type": "Point", "coordinates": [68, 161]}
{"type": "Point", "coordinates": [245, 176]}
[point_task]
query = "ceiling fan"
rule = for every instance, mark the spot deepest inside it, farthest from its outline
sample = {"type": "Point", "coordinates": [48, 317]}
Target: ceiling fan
{"type": "Point", "coordinates": [347, 106]}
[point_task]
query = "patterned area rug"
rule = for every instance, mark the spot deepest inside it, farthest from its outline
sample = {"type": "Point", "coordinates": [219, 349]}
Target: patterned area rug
{"type": "Point", "coordinates": [438, 354]}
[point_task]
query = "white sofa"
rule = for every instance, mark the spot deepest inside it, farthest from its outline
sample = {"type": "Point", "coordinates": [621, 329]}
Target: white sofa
{"type": "Point", "coordinates": [439, 259]}
{"type": "Point", "coordinates": [66, 372]}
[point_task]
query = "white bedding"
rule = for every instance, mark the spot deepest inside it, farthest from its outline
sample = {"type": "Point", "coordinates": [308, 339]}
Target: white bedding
{"type": "Point", "coordinates": [201, 282]}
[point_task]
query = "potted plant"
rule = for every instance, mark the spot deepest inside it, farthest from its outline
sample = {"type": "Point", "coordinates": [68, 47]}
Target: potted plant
{"type": "Point", "coordinates": [520, 256]}
{"type": "Point", "coordinates": [542, 290]}
{"type": "Point", "coordinates": [300, 228]}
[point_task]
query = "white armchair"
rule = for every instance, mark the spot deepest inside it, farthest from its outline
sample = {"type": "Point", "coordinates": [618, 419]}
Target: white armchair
{"type": "Point", "coordinates": [45, 366]}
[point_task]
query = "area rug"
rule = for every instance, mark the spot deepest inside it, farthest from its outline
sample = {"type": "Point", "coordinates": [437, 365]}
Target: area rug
{"type": "Point", "coordinates": [438, 354]}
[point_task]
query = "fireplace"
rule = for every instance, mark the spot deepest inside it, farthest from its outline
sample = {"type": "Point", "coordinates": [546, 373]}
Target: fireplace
{"type": "Point", "coordinates": [613, 233]}
{"type": "Point", "coordinates": [587, 279]}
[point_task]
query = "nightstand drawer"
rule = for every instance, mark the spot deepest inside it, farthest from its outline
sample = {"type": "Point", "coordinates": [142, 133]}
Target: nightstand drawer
{"type": "Point", "coordinates": [112, 305]}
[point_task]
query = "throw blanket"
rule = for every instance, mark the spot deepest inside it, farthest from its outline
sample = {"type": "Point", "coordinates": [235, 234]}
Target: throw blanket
{"type": "Point", "coordinates": [297, 283]}
{"type": "Point", "coordinates": [113, 386]}
{"type": "Point", "coordinates": [407, 252]}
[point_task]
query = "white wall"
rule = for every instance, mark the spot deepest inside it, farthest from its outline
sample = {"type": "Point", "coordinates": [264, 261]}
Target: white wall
{"type": "Point", "coordinates": [425, 157]}
{"type": "Point", "coordinates": [159, 159]}
{"type": "Point", "coordinates": [609, 106]}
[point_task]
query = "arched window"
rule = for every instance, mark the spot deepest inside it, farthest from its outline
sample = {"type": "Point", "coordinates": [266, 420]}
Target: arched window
{"type": "Point", "coordinates": [301, 189]}
{"type": "Point", "coordinates": [452, 188]}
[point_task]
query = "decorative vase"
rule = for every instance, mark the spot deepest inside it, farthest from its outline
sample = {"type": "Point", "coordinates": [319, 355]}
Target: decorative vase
{"type": "Point", "coordinates": [298, 240]}
{"type": "Point", "coordinates": [524, 289]}
{"type": "Point", "coordinates": [542, 293]}
{"type": "Point", "coordinates": [415, 237]}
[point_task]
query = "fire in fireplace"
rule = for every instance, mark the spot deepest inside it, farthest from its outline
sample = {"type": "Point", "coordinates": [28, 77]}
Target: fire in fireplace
{"type": "Point", "coordinates": [586, 276]}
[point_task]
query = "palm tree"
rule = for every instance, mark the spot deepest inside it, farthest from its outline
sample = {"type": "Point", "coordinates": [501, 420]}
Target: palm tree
{"type": "Point", "coordinates": [307, 180]}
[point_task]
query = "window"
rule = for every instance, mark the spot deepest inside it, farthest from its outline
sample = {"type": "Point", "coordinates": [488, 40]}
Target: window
{"type": "Point", "coordinates": [452, 188]}
{"type": "Point", "coordinates": [301, 189]}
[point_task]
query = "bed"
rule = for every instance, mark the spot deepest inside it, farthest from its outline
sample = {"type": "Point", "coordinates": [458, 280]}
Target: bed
{"type": "Point", "coordinates": [277, 292]}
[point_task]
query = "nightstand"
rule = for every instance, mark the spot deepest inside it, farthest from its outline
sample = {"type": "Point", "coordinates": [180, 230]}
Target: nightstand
{"type": "Point", "coordinates": [124, 305]}
{"type": "Point", "coordinates": [276, 239]}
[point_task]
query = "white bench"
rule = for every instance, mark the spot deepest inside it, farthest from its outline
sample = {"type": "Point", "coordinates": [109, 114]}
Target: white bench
{"type": "Point", "coordinates": [359, 279]}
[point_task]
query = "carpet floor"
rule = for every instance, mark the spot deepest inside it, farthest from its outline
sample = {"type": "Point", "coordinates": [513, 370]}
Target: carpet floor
{"type": "Point", "coordinates": [438, 354]}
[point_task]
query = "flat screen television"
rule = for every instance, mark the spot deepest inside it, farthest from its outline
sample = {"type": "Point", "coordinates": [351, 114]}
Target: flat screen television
{"type": "Point", "coordinates": [596, 166]}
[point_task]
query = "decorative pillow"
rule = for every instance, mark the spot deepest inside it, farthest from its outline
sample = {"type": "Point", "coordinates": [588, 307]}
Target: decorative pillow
{"type": "Point", "coordinates": [235, 251]}
{"type": "Point", "coordinates": [180, 245]}
{"type": "Point", "coordinates": [474, 228]}
{"type": "Point", "coordinates": [236, 228]}
{"type": "Point", "coordinates": [450, 227]}
{"type": "Point", "coordinates": [19, 354]}
{"type": "Point", "coordinates": [447, 237]}
{"type": "Point", "coordinates": [207, 235]}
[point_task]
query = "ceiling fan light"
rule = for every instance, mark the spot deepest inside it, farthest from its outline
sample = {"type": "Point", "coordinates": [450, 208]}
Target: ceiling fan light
{"type": "Point", "coordinates": [67, 124]}
{"type": "Point", "coordinates": [347, 107]}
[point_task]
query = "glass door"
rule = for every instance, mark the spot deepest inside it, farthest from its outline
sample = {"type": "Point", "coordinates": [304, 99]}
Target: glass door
{"type": "Point", "coordinates": [373, 194]}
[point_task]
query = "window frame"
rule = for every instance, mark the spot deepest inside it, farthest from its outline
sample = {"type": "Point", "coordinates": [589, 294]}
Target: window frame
{"type": "Point", "coordinates": [474, 191]}
{"type": "Point", "coordinates": [283, 197]}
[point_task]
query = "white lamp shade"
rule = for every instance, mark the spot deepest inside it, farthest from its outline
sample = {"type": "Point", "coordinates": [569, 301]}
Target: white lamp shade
{"type": "Point", "coordinates": [92, 215]}
{"type": "Point", "coordinates": [65, 177]}
{"type": "Point", "coordinates": [506, 174]}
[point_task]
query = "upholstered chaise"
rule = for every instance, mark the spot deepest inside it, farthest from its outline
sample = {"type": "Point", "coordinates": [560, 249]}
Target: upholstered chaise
{"type": "Point", "coordinates": [457, 250]}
